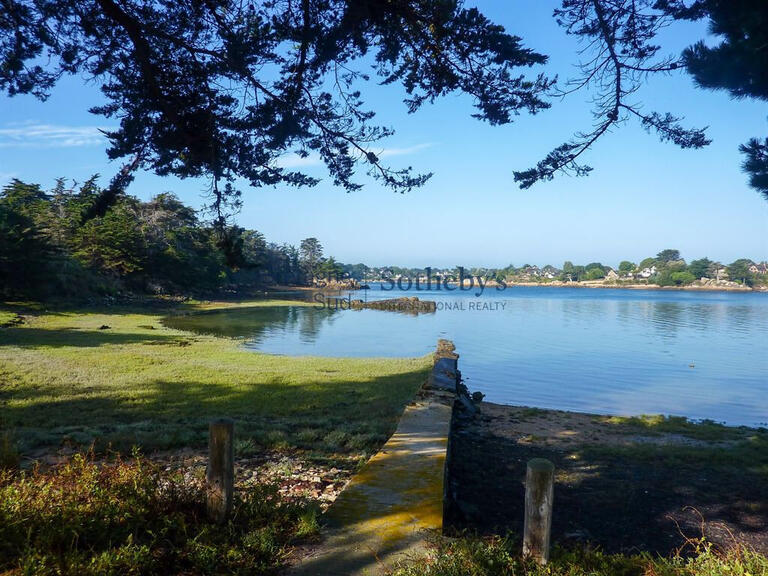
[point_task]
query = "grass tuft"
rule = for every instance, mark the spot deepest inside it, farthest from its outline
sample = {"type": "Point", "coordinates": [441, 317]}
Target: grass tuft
{"type": "Point", "coordinates": [8, 319]}
{"type": "Point", "coordinates": [657, 424]}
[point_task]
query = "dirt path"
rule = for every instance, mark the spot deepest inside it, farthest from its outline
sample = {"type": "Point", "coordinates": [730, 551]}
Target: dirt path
{"type": "Point", "coordinates": [622, 484]}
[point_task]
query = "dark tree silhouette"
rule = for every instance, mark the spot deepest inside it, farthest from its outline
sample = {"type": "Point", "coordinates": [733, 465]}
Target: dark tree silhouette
{"type": "Point", "coordinates": [620, 52]}
{"type": "Point", "coordinates": [739, 64]}
{"type": "Point", "coordinates": [224, 88]}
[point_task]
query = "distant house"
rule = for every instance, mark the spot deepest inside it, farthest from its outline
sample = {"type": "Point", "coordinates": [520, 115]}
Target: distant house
{"type": "Point", "coordinates": [550, 272]}
{"type": "Point", "coordinates": [647, 272]}
{"type": "Point", "coordinates": [530, 272]}
{"type": "Point", "coordinates": [611, 274]}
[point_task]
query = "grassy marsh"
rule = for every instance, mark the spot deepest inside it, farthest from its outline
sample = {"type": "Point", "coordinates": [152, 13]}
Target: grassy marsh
{"type": "Point", "coordinates": [118, 376]}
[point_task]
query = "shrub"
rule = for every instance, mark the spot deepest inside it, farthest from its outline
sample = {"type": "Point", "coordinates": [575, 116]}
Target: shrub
{"type": "Point", "coordinates": [671, 278]}
{"type": "Point", "coordinates": [683, 278]}
{"type": "Point", "coordinates": [471, 556]}
{"type": "Point", "coordinates": [132, 517]}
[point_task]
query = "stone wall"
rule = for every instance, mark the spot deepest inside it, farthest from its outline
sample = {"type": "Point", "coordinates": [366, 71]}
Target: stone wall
{"type": "Point", "coordinates": [445, 378]}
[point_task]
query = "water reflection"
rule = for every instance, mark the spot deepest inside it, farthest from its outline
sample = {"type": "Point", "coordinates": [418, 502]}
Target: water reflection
{"type": "Point", "coordinates": [255, 324]}
{"type": "Point", "coordinates": [613, 351]}
{"type": "Point", "coordinates": [665, 317]}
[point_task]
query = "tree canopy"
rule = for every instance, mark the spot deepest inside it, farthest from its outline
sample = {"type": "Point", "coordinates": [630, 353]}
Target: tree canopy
{"type": "Point", "coordinates": [739, 64]}
{"type": "Point", "coordinates": [310, 256]}
{"type": "Point", "coordinates": [621, 52]}
{"type": "Point", "coordinates": [626, 266]}
{"type": "Point", "coordinates": [738, 271]}
{"type": "Point", "coordinates": [668, 255]}
{"type": "Point", "coordinates": [159, 246]}
{"type": "Point", "coordinates": [223, 89]}
{"type": "Point", "coordinates": [700, 268]}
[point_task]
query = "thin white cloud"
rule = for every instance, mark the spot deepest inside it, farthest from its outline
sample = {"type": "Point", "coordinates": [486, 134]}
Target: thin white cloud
{"type": "Point", "coordinates": [296, 161]}
{"type": "Point", "coordinates": [403, 151]}
{"type": "Point", "coordinates": [34, 135]}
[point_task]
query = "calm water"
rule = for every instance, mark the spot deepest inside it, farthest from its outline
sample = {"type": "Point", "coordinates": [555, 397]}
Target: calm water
{"type": "Point", "coordinates": [701, 355]}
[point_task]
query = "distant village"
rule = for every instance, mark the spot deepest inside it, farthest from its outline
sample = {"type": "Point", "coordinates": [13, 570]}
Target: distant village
{"type": "Point", "coordinates": [666, 269]}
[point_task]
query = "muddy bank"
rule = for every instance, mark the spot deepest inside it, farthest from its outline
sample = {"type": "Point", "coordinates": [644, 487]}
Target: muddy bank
{"type": "Point", "coordinates": [622, 485]}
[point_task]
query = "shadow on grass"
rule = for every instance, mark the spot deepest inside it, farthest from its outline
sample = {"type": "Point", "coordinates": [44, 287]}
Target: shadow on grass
{"type": "Point", "coordinates": [36, 338]}
{"type": "Point", "coordinates": [351, 416]}
{"type": "Point", "coordinates": [623, 497]}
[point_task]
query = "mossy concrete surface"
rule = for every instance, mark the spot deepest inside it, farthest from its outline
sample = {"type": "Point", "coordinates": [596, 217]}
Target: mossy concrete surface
{"type": "Point", "coordinates": [387, 510]}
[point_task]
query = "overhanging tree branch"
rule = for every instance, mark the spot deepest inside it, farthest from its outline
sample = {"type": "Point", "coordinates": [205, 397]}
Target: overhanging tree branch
{"type": "Point", "coordinates": [225, 89]}
{"type": "Point", "coordinates": [620, 35]}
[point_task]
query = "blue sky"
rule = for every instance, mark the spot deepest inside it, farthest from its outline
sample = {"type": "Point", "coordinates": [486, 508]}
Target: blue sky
{"type": "Point", "coordinates": [642, 197]}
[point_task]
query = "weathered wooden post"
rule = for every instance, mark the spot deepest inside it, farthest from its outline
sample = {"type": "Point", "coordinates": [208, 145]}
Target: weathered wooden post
{"type": "Point", "coordinates": [539, 491]}
{"type": "Point", "coordinates": [220, 474]}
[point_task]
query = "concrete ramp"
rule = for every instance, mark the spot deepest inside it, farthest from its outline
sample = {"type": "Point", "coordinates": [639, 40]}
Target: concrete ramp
{"type": "Point", "coordinates": [382, 515]}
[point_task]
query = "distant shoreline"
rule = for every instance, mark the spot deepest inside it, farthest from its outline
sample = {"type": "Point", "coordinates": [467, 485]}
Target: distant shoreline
{"type": "Point", "coordinates": [588, 284]}
{"type": "Point", "coordinates": [691, 288]}
{"type": "Point", "coordinates": [553, 284]}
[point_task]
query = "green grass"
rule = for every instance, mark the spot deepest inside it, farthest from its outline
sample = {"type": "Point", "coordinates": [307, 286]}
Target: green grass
{"type": "Point", "coordinates": [65, 380]}
{"type": "Point", "coordinates": [528, 412]}
{"type": "Point", "coordinates": [706, 430]}
{"type": "Point", "coordinates": [749, 455]}
{"type": "Point", "coordinates": [8, 318]}
{"type": "Point", "coordinates": [117, 377]}
{"type": "Point", "coordinates": [470, 556]}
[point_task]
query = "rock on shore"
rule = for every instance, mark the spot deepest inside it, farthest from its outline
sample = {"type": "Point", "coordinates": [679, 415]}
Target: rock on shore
{"type": "Point", "coordinates": [408, 305]}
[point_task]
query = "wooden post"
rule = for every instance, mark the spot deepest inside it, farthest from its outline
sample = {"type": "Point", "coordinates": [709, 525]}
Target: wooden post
{"type": "Point", "coordinates": [539, 490]}
{"type": "Point", "coordinates": [220, 475]}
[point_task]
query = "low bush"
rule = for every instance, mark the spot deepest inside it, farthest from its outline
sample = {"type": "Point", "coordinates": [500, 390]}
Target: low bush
{"type": "Point", "coordinates": [132, 517]}
{"type": "Point", "coordinates": [469, 556]}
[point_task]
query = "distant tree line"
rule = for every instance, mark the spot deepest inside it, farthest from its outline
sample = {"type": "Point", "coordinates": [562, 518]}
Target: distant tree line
{"type": "Point", "coordinates": [51, 245]}
{"type": "Point", "coordinates": [667, 268]}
